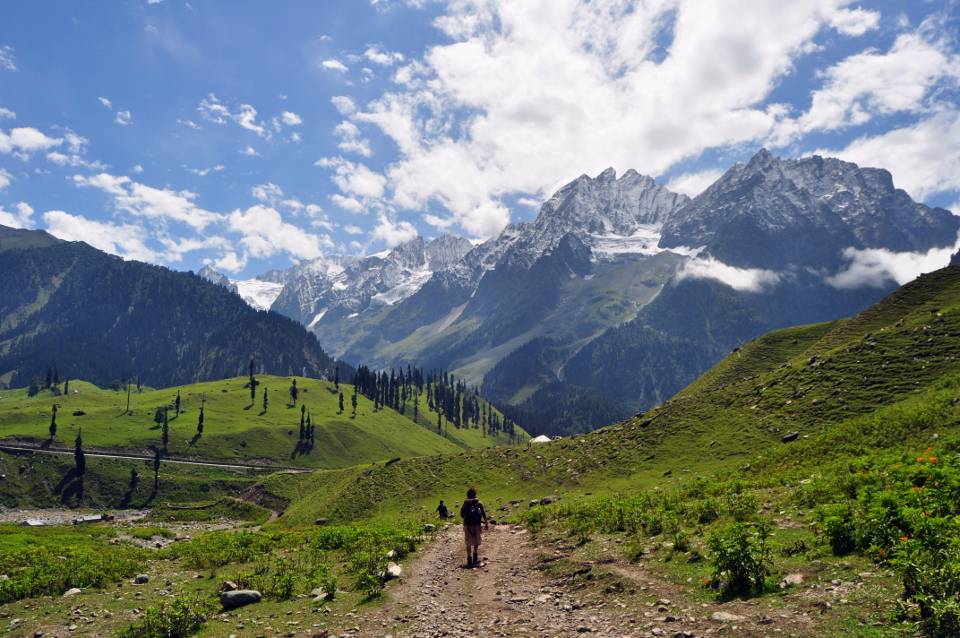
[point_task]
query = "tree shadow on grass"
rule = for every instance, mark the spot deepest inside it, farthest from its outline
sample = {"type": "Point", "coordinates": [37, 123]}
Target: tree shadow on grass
{"type": "Point", "coordinates": [70, 487]}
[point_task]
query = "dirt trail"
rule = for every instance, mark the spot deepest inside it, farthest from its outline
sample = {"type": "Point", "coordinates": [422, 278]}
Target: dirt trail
{"type": "Point", "coordinates": [507, 596]}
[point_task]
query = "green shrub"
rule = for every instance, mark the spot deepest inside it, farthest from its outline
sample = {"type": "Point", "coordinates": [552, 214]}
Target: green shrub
{"type": "Point", "coordinates": [741, 558]}
{"type": "Point", "coordinates": [183, 617]}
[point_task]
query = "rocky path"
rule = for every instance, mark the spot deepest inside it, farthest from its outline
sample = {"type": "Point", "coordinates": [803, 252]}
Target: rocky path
{"type": "Point", "coordinates": [507, 596]}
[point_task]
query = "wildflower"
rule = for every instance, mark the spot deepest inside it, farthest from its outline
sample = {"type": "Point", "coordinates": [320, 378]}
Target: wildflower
{"type": "Point", "coordinates": [933, 460]}
{"type": "Point", "coordinates": [904, 539]}
{"type": "Point", "coordinates": [920, 459]}
{"type": "Point", "coordinates": [882, 552]}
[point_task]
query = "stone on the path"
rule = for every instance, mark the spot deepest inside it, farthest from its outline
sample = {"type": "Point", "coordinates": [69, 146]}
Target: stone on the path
{"type": "Point", "coordinates": [725, 616]}
{"type": "Point", "coordinates": [73, 591]}
{"type": "Point", "coordinates": [393, 571]}
{"type": "Point", "coordinates": [228, 585]}
{"type": "Point", "coordinates": [320, 521]}
{"type": "Point", "coordinates": [790, 580]}
{"type": "Point", "coordinates": [429, 527]}
{"type": "Point", "coordinates": [792, 436]}
{"type": "Point", "coordinates": [141, 579]}
{"type": "Point", "coordinates": [239, 598]}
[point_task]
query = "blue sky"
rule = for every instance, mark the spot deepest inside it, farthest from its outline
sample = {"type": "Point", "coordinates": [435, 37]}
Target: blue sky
{"type": "Point", "coordinates": [252, 135]}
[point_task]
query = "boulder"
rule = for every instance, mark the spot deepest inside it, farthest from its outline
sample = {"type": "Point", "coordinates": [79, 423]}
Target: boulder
{"type": "Point", "coordinates": [429, 527]}
{"type": "Point", "coordinates": [73, 591]}
{"type": "Point", "coordinates": [320, 521]}
{"type": "Point", "coordinates": [141, 579]}
{"type": "Point", "coordinates": [792, 436]}
{"type": "Point", "coordinates": [239, 598]}
{"type": "Point", "coordinates": [790, 580]}
{"type": "Point", "coordinates": [393, 571]}
{"type": "Point", "coordinates": [726, 616]}
{"type": "Point", "coordinates": [228, 585]}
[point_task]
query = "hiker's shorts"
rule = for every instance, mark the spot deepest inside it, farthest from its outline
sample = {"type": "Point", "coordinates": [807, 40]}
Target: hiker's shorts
{"type": "Point", "coordinates": [471, 534]}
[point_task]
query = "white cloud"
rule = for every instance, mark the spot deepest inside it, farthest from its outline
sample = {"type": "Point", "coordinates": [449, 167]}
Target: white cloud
{"type": "Point", "coordinates": [212, 109]}
{"type": "Point", "coordinates": [6, 178]}
{"type": "Point", "coordinates": [854, 22]}
{"type": "Point", "coordinates": [350, 229]}
{"type": "Point", "coordinates": [351, 140]}
{"type": "Point", "coordinates": [924, 157]}
{"type": "Point", "coordinates": [7, 114]}
{"type": "Point", "coordinates": [177, 248]}
{"type": "Point", "coordinates": [123, 118]}
{"type": "Point", "coordinates": [742, 279]}
{"type": "Point", "coordinates": [76, 157]}
{"type": "Point", "coordinates": [393, 233]}
{"type": "Point", "coordinates": [203, 172]}
{"type": "Point", "coordinates": [230, 262]}
{"type": "Point", "coordinates": [353, 178]}
{"type": "Point", "coordinates": [268, 192]}
{"type": "Point", "coordinates": [153, 203]}
{"type": "Point", "coordinates": [264, 233]}
{"type": "Point", "coordinates": [877, 267]}
{"type": "Point", "coordinates": [137, 169]}
{"type": "Point", "coordinates": [529, 93]}
{"type": "Point", "coordinates": [290, 118]}
{"type": "Point", "coordinates": [250, 152]}
{"type": "Point", "coordinates": [189, 124]}
{"type": "Point", "coordinates": [125, 240]}
{"type": "Point", "coordinates": [344, 104]}
{"type": "Point", "coordinates": [7, 62]}
{"type": "Point", "coordinates": [105, 102]}
{"type": "Point", "coordinates": [350, 204]}
{"type": "Point", "coordinates": [26, 140]}
{"type": "Point", "coordinates": [383, 58]}
{"type": "Point", "coordinates": [20, 217]}
{"type": "Point", "coordinates": [904, 79]}
{"type": "Point", "coordinates": [334, 65]}
{"type": "Point", "coordinates": [692, 184]}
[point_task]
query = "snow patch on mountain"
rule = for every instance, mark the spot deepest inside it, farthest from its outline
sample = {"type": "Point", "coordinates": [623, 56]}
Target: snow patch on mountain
{"type": "Point", "coordinates": [259, 294]}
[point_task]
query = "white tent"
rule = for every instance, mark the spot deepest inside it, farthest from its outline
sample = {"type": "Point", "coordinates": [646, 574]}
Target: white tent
{"type": "Point", "coordinates": [543, 438]}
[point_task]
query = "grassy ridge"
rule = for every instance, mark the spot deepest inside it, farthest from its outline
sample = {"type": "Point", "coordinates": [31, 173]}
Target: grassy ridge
{"type": "Point", "coordinates": [235, 430]}
{"type": "Point", "coordinates": [814, 380]}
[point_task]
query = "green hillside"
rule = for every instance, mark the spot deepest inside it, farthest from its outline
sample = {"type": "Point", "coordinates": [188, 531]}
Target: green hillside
{"type": "Point", "coordinates": [812, 380]}
{"type": "Point", "coordinates": [234, 430]}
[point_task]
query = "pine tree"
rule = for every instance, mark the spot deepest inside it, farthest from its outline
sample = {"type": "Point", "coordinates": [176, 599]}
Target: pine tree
{"type": "Point", "coordinates": [165, 431]}
{"type": "Point", "coordinates": [353, 401]}
{"type": "Point", "coordinates": [309, 432]}
{"type": "Point", "coordinates": [200, 418]}
{"type": "Point", "coordinates": [53, 422]}
{"type": "Point", "coordinates": [176, 403]}
{"type": "Point", "coordinates": [49, 378]}
{"type": "Point", "coordinates": [134, 479]}
{"type": "Point", "coordinates": [66, 387]}
{"type": "Point", "coordinates": [341, 403]}
{"type": "Point", "coordinates": [439, 424]}
{"type": "Point", "coordinates": [266, 402]}
{"type": "Point", "coordinates": [128, 398]}
{"type": "Point", "coordinates": [294, 392]}
{"type": "Point", "coordinates": [336, 377]}
{"type": "Point", "coordinates": [78, 457]}
{"type": "Point", "coordinates": [56, 377]}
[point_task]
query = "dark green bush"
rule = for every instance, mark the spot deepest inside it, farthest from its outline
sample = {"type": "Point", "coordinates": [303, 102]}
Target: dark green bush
{"type": "Point", "coordinates": [741, 558]}
{"type": "Point", "coordinates": [178, 619]}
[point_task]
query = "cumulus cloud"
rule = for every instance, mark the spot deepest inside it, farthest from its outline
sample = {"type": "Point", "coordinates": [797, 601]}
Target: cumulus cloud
{"type": "Point", "coordinates": [203, 172]}
{"type": "Point", "coordinates": [124, 240]}
{"type": "Point", "coordinates": [924, 158]}
{"type": "Point", "coordinates": [334, 65]}
{"type": "Point", "coordinates": [351, 140]}
{"type": "Point", "coordinates": [355, 179]}
{"type": "Point", "coordinates": [230, 261]}
{"type": "Point", "coordinates": [212, 109]}
{"type": "Point", "coordinates": [742, 279]}
{"type": "Point", "coordinates": [7, 114]}
{"type": "Point", "coordinates": [877, 267]}
{"type": "Point", "coordinates": [381, 57]}
{"type": "Point", "coordinates": [289, 118]}
{"type": "Point", "coordinates": [692, 184]}
{"type": "Point", "coordinates": [344, 104]}
{"type": "Point", "coordinates": [159, 204]}
{"type": "Point", "coordinates": [6, 178]}
{"type": "Point", "coordinates": [904, 79]}
{"type": "Point", "coordinates": [392, 232]}
{"type": "Point", "coordinates": [529, 93]}
{"type": "Point", "coordinates": [20, 217]}
{"type": "Point", "coordinates": [24, 141]}
{"type": "Point", "coordinates": [105, 102]}
{"type": "Point", "coordinates": [123, 118]}
{"type": "Point", "coordinates": [265, 233]}
{"type": "Point", "coordinates": [249, 151]}
{"type": "Point", "coordinates": [350, 204]}
{"type": "Point", "coordinates": [268, 192]}
{"type": "Point", "coordinates": [855, 21]}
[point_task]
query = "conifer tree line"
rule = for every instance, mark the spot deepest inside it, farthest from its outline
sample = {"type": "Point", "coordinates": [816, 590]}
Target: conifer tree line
{"type": "Point", "coordinates": [452, 399]}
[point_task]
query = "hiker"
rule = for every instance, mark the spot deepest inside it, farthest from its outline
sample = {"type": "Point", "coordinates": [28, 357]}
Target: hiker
{"type": "Point", "coordinates": [473, 514]}
{"type": "Point", "coordinates": [443, 511]}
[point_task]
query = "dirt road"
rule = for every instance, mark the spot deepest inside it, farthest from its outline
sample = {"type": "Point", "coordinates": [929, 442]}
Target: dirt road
{"type": "Point", "coordinates": [507, 596]}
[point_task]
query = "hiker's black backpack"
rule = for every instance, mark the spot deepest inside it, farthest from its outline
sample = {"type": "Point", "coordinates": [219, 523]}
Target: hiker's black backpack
{"type": "Point", "coordinates": [472, 512]}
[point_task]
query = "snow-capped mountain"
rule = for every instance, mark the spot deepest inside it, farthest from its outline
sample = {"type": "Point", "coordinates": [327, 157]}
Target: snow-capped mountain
{"type": "Point", "coordinates": [771, 212]}
{"type": "Point", "coordinates": [214, 276]}
{"type": "Point", "coordinates": [345, 286]}
{"type": "Point", "coordinates": [259, 293]}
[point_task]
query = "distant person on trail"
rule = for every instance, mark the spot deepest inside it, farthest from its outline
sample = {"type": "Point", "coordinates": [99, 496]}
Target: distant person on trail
{"type": "Point", "coordinates": [473, 514]}
{"type": "Point", "coordinates": [443, 511]}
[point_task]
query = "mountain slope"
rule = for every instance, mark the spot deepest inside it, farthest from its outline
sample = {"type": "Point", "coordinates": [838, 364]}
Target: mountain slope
{"type": "Point", "coordinates": [94, 316]}
{"type": "Point", "coordinates": [860, 383]}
